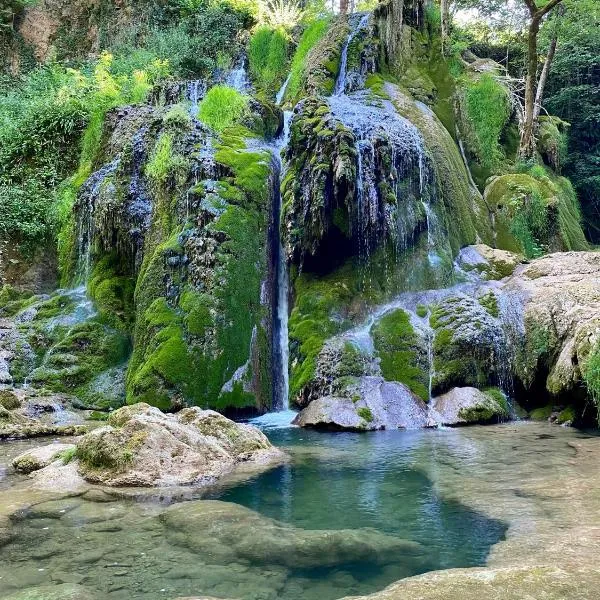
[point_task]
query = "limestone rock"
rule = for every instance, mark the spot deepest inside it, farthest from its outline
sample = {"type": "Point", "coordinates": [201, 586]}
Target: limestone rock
{"type": "Point", "coordinates": [512, 583]}
{"type": "Point", "coordinates": [41, 457]}
{"type": "Point", "coordinates": [141, 446]}
{"type": "Point", "coordinates": [224, 533]}
{"type": "Point", "coordinates": [374, 404]}
{"type": "Point", "coordinates": [490, 263]}
{"type": "Point", "coordinates": [461, 406]}
{"type": "Point", "coordinates": [562, 317]}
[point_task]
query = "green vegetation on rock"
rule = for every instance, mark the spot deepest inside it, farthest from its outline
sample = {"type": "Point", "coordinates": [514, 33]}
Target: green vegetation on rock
{"type": "Point", "coordinates": [268, 58]}
{"type": "Point", "coordinates": [222, 107]}
{"type": "Point", "coordinates": [403, 357]}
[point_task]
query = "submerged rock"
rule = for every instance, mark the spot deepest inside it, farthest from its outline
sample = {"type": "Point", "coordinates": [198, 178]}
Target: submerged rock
{"type": "Point", "coordinates": [224, 533]}
{"type": "Point", "coordinates": [463, 406]}
{"type": "Point", "coordinates": [141, 446]}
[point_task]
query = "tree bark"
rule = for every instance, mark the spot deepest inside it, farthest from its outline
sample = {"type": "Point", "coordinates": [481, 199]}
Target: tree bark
{"type": "Point", "coordinates": [343, 7]}
{"type": "Point", "coordinates": [527, 145]}
{"type": "Point", "coordinates": [445, 24]}
{"type": "Point", "coordinates": [539, 95]}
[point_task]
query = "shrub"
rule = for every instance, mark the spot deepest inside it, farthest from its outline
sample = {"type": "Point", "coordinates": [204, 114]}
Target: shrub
{"type": "Point", "coordinates": [222, 107]}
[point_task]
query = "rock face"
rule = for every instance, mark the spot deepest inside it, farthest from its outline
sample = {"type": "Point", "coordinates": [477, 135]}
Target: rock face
{"type": "Point", "coordinates": [223, 533]}
{"type": "Point", "coordinates": [562, 318]}
{"type": "Point", "coordinates": [141, 446]}
{"type": "Point", "coordinates": [38, 458]}
{"type": "Point", "coordinates": [462, 406]}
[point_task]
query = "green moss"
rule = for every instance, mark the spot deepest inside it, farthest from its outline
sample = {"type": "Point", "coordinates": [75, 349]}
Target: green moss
{"type": "Point", "coordinates": [498, 396]}
{"type": "Point", "coordinates": [365, 414]}
{"type": "Point", "coordinates": [376, 83]}
{"type": "Point", "coordinates": [535, 214]}
{"type": "Point", "coordinates": [107, 452]}
{"type": "Point", "coordinates": [490, 302]}
{"type": "Point", "coordinates": [164, 163]}
{"type": "Point", "coordinates": [591, 375]}
{"type": "Point", "coordinates": [567, 416]}
{"type": "Point", "coordinates": [422, 311]}
{"type": "Point", "coordinates": [402, 356]}
{"type": "Point", "coordinates": [60, 304]}
{"type": "Point", "coordinates": [541, 414]}
{"type": "Point", "coordinates": [13, 301]}
{"type": "Point", "coordinates": [112, 291]}
{"type": "Point", "coordinates": [309, 38]}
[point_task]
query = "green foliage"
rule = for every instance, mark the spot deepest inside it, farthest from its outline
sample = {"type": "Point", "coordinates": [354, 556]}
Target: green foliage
{"type": "Point", "coordinates": [591, 376]}
{"type": "Point", "coordinates": [488, 110]}
{"type": "Point", "coordinates": [399, 349]}
{"type": "Point", "coordinates": [165, 164]}
{"type": "Point", "coordinates": [195, 39]}
{"type": "Point", "coordinates": [222, 107]}
{"type": "Point", "coordinates": [268, 58]}
{"type": "Point", "coordinates": [530, 223]}
{"type": "Point", "coordinates": [365, 413]}
{"type": "Point", "coordinates": [309, 39]}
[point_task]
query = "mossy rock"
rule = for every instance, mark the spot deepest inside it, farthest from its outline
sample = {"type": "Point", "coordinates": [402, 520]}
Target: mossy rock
{"type": "Point", "coordinates": [9, 400]}
{"type": "Point", "coordinates": [535, 215]}
{"type": "Point", "coordinates": [541, 414]}
{"type": "Point", "coordinates": [402, 352]}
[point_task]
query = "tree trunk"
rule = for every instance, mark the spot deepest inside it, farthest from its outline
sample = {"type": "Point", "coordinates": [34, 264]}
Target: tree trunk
{"type": "Point", "coordinates": [343, 7]}
{"type": "Point", "coordinates": [539, 96]}
{"type": "Point", "coordinates": [445, 23]}
{"type": "Point", "coordinates": [527, 145]}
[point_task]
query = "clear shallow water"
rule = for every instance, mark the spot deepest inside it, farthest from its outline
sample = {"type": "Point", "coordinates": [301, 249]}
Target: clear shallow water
{"type": "Point", "coordinates": [125, 549]}
{"type": "Point", "coordinates": [378, 482]}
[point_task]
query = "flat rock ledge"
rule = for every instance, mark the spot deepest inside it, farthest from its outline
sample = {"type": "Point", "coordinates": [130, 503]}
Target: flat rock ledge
{"type": "Point", "coordinates": [391, 405]}
{"type": "Point", "coordinates": [142, 447]}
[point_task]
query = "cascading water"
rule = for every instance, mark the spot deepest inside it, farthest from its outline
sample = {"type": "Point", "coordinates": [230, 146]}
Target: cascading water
{"type": "Point", "coordinates": [282, 415]}
{"type": "Point", "coordinates": [340, 84]}
{"type": "Point", "coordinates": [237, 78]}
{"type": "Point", "coordinates": [195, 92]}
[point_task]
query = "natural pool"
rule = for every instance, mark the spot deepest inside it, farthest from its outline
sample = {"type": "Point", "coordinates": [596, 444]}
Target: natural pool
{"type": "Point", "coordinates": [384, 484]}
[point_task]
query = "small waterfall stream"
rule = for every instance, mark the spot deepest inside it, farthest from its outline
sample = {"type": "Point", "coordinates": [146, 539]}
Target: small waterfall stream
{"type": "Point", "coordinates": [340, 84]}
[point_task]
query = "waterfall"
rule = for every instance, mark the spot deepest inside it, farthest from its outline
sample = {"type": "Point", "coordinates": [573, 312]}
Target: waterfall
{"type": "Point", "coordinates": [237, 78]}
{"type": "Point", "coordinates": [340, 84]}
{"type": "Point", "coordinates": [282, 89]}
{"type": "Point", "coordinates": [195, 92]}
{"type": "Point", "coordinates": [280, 297]}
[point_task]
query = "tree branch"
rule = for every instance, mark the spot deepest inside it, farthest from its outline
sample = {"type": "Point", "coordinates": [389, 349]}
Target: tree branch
{"type": "Point", "coordinates": [545, 9]}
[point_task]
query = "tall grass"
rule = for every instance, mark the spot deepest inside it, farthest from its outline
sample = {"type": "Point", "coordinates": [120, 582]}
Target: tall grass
{"type": "Point", "coordinates": [311, 36]}
{"type": "Point", "coordinates": [591, 376]}
{"type": "Point", "coordinates": [268, 58]}
{"type": "Point", "coordinates": [222, 107]}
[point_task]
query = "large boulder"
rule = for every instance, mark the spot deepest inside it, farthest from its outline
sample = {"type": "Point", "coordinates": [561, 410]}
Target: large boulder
{"type": "Point", "coordinates": [225, 533]}
{"type": "Point", "coordinates": [141, 446]}
{"type": "Point", "coordinates": [561, 299]}
{"type": "Point", "coordinates": [463, 406]}
{"type": "Point", "coordinates": [374, 404]}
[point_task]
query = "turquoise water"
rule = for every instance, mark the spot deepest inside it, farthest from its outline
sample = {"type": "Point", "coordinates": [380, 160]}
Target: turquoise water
{"type": "Point", "coordinates": [348, 480]}
{"type": "Point", "coordinates": [373, 484]}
